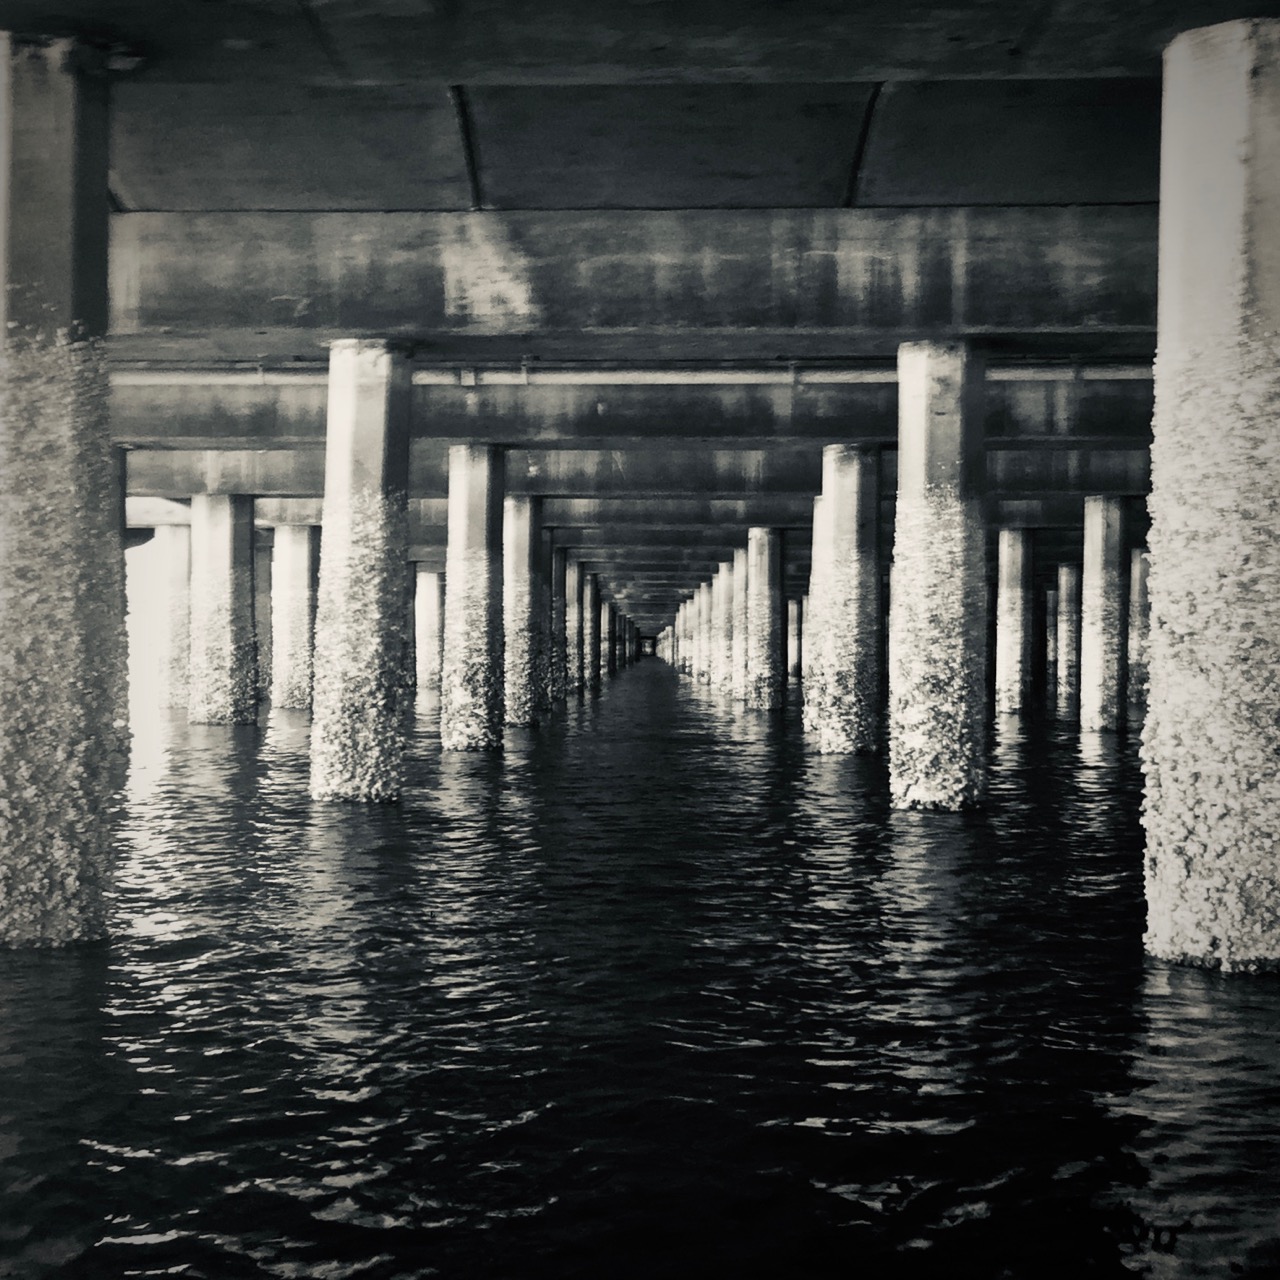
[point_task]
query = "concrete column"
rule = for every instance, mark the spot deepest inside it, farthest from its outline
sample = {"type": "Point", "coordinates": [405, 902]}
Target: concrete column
{"type": "Point", "coordinates": [428, 627]}
{"type": "Point", "coordinates": [765, 638]}
{"type": "Point", "coordinates": [1050, 649]}
{"type": "Point", "coordinates": [63, 682]}
{"type": "Point", "coordinates": [1212, 736]}
{"type": "Point", "coordinates": [705, 642]}
{"type": "Point", "coordinates": [609, 639]}
{"type": "Point", "coordinates": [938, 610]}
{"type": "Point", "coordinates": [720, 667]}
{"type": "Point", "coordinates": [815, 655]}
{"type": "Point", "coordinates": [294, 575]}
{"type": "Point", "coordinates": [1013, 621]}
{"type": "Point", "coordinates": [263, 542]}
{"type": "Point", "coordinates": [795, 640]}
{"type": "Point", "coordinates": [1104, 615]}
{"type": "Point", "coordinates": [1068, 698]}
{"type": "Point", "coordinates": [1139, 629]}
{"type": "Point", "coordinates": [591, 633]}
{"type": "Point", "coordinates": [574, 632]}
{"type": "Point", "coordinates": [471, 679]}
{"type": "Point", "coordinates": [844, 706]}
{"type": "Point", "coordinates": [224, 667]}
{"type": "Point", "coordinates": [522, 547]}
{"type": "Point", "coordinates": [357, 739]}
{"type": "Point", "coordinates": [558, 655]}
{"type": "Point", "coordinates": [739, 651]}
{"type": "Point", "coordinates": [173, 643]}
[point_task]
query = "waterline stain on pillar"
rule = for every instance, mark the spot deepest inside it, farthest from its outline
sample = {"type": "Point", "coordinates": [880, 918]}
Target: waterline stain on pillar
{"type": "Point", "coordinates": [1104, 614]}
{"type": "Point", "coordinates": [471, 692]}
{"type": "Point", "coordinates": [357, 731]}
{"type": "Point", "coordinates": [294, 576]}
{"type": "Point", "coordinates": [522, 547]}
{"type": "Point", "coordinates": [224, 663]}
{"type": "Point", "coordinates": [938, 610]}
{"type": "Point", "coordinates": [428, 616]}
{"type": "Point", "coordinates": [1013, 621]}
{"type": "Point", "coordinates": [765, 639]}
{"type": "Point", "coordinates": [844, 709]}
{"type": "Point", "coordinates": [1068, 632]}
{"type": "Point", "coordinates": [1211, 738]}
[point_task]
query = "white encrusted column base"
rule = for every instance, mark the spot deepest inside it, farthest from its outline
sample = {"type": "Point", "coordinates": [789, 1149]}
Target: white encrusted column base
{"type": "Point", "coordinates": [296, 558]}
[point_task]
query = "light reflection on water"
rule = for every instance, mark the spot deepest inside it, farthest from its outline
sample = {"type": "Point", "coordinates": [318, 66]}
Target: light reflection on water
{"type": "Point", "coordinates": [655, 991]}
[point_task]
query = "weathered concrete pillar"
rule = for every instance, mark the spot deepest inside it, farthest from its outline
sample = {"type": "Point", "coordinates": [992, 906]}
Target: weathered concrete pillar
{"type": "Point", "coordinates": [938, 610]}
{"type": "Point", "coordinates": [705, 641]}
{"type": "Point", "coordinates": [1068, 699]}
{"type": "Point", "coordinates": [471, 678]}
{"type": "Point", "coordinates": [608, 639]}
{"type": "Point", "coordinates": [357, 738]}
{"type": "Point", "coordinates": [63, 683]}
{"type": "Point", "coordinates": [1050, 649]}
{"type": "Point", "coordinates": [263, 543]}
{"type": "Point", "coordinates": [173, 641]}
{"type": "Point", "coordinates": [765, 639]}
{"type": "Point", "coordinates": [1104, 615]}
{"type": "Point", "coordinates": [738, 658]}
{"type": "Point", "coordinates": [558, 654]}
{"type": "Point", "coordinates": [1212, 736]}
{"type": "Point", "coordinates": [574, 632]}
{"type": "Point", "coordinates": [294, 575]}
{"type": "Point", "coordinates": [591, 633]}
{"type": "Point", "coordinates": [428, 628]}
{"type": "Point", "coordinates": [1139, 629]}
{"type": "Point", "coordinates": [795, 640]}
{"type": "Point", "coordinates": [721, 660]}
{"type": "Point", "coordinates": [224, 665]}
{"type": "Point", "coordinates": [843, 708]}
{"type": "Point", "coordinates": [1013, 621]}
{"type": "Point", "coordinates": [522, 623]}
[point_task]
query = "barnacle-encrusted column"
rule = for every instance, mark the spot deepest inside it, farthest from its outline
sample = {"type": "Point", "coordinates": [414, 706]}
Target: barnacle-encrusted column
{"type": "Point", "coordinates": [428, 628]}
{"type": "Point", "coordinates": [1139, 628]}
{"type": "Point", "coordinates": [721, 664]}
{"type": "Point", "coordinates": [224, 663]}
{"type": "Point", "coordinates": [173, 643]}
{"type": "Point", "coordinates": [844, 708]}
{"type": "Point", "coordinates": [1212, 736]}
{"type": "Point", "coordinates": [1104, 615]}
{"type": "Point", "coordinates": [471, 678]}
{"type": "Point", "coordinates": [521, 553]}
{"type": "Point", "coordinates": [765, 639]}
{"type": "Point", "coordinates": [1013, 621]}
{"type": "Point", "coordinates": [1068, 694]}
{"type": "Point", "coordinates": [738, 676]}
{"type": "Point", "coordinates": [938, 610]}
{"type": "Point", "coordinates": [558, 678]}
{"type": "Point", "coordinates": [357, 735]}
{"type": "Point", "coordinates": [575, 638]}
{"type": "Point", "coordinates": [294, 573]}
{"type": "Point", "coordinates": [63, 693]}
{"type": "Point", "coordinates": [795, 640]}
{"type": "Point", "coordinates": [591, 637]}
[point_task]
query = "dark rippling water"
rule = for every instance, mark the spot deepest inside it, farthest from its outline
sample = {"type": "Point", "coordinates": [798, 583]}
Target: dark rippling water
{"type": "Point", "coordinates": [653, 993]}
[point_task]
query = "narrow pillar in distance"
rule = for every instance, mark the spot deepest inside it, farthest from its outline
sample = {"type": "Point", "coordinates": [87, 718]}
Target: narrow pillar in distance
{"type": "Point", "coordinates": [1211, 736]}
{"type": "Point", "coordinates": [721, 664]}
{"type": "Point", "coordinates": [738, 677]}
{"type": "Point", "coordinates": [574, 631]}
{"type": "Point", "coordinates": [263, 622]}
{"type": "Point", "coordinates": [294, 575]}
{"type": "Point", "coordinates": [428, 628]}
{"type": "Point", "coordinates": [1139, 629]}
{"type": "Point", "coordinates": [795, 640]}
{"type": "Point", "coordinates": [591, 633]}
{"type": "Point", "coordinates": [1050, 649]}
{"type": "Point", "coordinates": [224, 666]}
{"type": "Point", "coordinates": [1013, 621]}
{"type": "Point", "coordinates": [938, 608]}
{"type": "Point", "coordinates": [706, 617]}
{"type": "Point", "coordinates": [1104, 615]}
{"type": "Point", "coordinates": [765, 639]}
{"type": "Point", "coordinates": [844, 708]}
{"type": "Point", "coordinates": [815, 663]}
{"type": "Point", "coordinates": [471, 677]}
{"type": "Point", "coordinates": [558, 652]}
{"type": "Point", "coordinates": [63, 679]}
{"type": "Point", "coordinates": [522, 548]}
{"type": "Point", "coordinates": [173, 644]}
{"type": "Point", "coordinates": [1068, 700]}
{"type": "Point", "coordinates": [357, 738]}
{"type": "Point", "coordinates": [608, 639]}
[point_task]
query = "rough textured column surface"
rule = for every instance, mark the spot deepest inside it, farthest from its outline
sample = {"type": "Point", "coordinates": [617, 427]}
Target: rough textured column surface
{"type": "Point", "coordinates": [574, 634]}
{"type": "Point", "coordinates": [608, 640]}
{"type": "Point", "coordinates": [1104, 615]}
{"type": "Point", "coordinates": [173, 641]}
{"type": "Point", "coordinates": [428, 620]}
{"type": "Point", "coordinates": [521, 551]}
{"type": "Point", "coordinates": [591, 633]}
{"type": "Point", "coordinates": [765, 638]}
{"type": "Point", "coordinates": [263, 622]}
{"type": "Point", "coordinates": [795, 639]}
{"type": "Point", "coordinates": [844, 707]}
{"type": "Point", "coordinates": [705, 642]}
{"type": "Point", "coordinates": [1013, 621]}
{"type": "Point", "coordinates": [224, 666]}
{"type": "Point", "coordinates": [471, 679]}
{"type": "Point", "coordinates": [294, 575]}
{"type": "Point", "coordinates": [63, 683]}
{"type": "Point", "coordinates": [558, 654]}
{"type": "Point", "coordinates": [741, 575]}
{"type": "Point", "coordinates": [362, 612]}
{"type": "Point", "coordinates": [938, 611]}
{"type": "Point", "coordinates": [815, 654]}
{"type": "Point", "coordinates": [721, 665]}
{"type": "Point", "coordinates": [1068, 699]}
{"type": "Point", "coordinates": [1212, 736]}
{"type": "Point", "coordinates": [1050, 648]}
{"type": "Point", "coordinates": [1139, 630]}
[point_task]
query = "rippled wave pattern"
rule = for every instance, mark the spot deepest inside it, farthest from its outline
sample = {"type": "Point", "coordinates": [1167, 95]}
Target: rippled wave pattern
{"type": "Point", "coordinates": [656, 992]}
